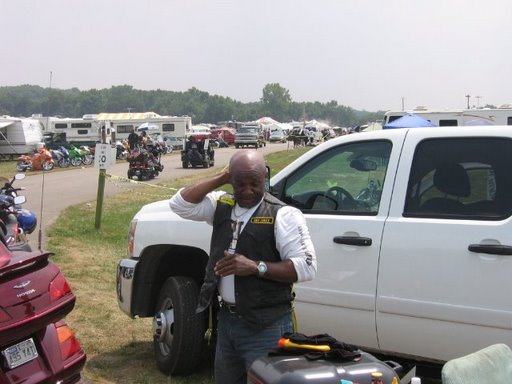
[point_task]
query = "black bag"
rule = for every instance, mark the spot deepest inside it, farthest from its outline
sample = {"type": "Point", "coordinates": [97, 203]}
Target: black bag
{"type": "Point", "coordinates": [338, 350]}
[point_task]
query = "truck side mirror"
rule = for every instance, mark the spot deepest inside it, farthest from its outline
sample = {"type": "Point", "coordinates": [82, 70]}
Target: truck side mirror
{"type": "Point", "coordinates": [267, 179]}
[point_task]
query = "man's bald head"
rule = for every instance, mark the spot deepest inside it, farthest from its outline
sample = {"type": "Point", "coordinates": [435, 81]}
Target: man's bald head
{"type": "Point", "coordinates": [247, 160]}
{"type": "Point", "coordinates": [247, 173]}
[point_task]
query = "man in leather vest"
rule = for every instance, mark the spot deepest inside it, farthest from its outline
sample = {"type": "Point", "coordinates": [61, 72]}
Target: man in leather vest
{"type": "Point", "coordinates": [259, 248]}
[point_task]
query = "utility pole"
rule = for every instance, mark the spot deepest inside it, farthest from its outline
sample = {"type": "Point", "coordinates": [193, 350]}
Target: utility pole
{"type": "Point", "coordinates": [478, 101]}
{"type": "Point", "coordinates": [49, 98]}
{"type": "Point", "coordinates": [467, 97]}
{"type": "Point", "coordinates": [403, 103]}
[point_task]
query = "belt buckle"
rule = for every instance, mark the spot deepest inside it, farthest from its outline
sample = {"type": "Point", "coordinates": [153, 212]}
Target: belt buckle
{"type": "Point", "coordinates": [230, 307]}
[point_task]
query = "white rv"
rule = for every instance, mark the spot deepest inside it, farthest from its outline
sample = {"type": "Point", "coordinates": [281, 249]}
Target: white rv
{"type": "Point", "coordinates": [19, 136]}
{"type": "Point", "coordinates": [124, 123]}
{"type": "Point", "coordinates": [457, 117]}
{"type": "Point", "coordinates": [76, 131]}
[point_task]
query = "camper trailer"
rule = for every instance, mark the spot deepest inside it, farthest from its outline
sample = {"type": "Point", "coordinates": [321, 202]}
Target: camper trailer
{"type": "Point", "coordinates": [124, 123]}
{"type": "Point", "coordinates": [76, 131]}
{"type": "Point", "coordinates": [19, 136]}
{"type": "Point", "coordinates": [457, 117]}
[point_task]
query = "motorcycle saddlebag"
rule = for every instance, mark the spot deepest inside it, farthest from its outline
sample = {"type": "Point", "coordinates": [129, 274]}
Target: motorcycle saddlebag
{"type": "Point", "coordinates": [298, 370]}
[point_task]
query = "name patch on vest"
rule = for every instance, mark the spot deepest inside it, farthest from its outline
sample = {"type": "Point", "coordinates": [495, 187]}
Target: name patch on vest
{"type": "Point", "coordinates": [262, 220]}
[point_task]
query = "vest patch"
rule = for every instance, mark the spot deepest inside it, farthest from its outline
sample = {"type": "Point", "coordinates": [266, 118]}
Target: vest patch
{"type": "Point", "coordinates": [262, 220]}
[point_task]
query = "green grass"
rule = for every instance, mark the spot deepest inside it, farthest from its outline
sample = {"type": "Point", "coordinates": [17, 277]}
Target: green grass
{"type": "Point", "coordinates": [119, 349]}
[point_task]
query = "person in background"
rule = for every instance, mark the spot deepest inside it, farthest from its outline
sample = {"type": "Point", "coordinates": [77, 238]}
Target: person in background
{"type": "Point", "coordinates": [133, 139]}
{"type": "Point", "coordinates": [143, 139]}
{"type": "Point", "coordinates": [259, 248]}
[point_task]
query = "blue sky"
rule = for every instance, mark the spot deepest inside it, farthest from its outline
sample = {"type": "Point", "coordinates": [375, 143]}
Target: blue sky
{"type": "Point", "coordinates": [364, 54]}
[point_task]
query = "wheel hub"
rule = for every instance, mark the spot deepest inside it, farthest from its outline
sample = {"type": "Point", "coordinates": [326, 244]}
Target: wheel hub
{"type": "Point", "coordinates": [162, 325]}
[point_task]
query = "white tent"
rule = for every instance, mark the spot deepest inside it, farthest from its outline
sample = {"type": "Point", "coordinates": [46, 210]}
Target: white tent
{"type": "Point", "coordinates": [266, 120]}
{"type": "Point", "coordinates": [285, 127]}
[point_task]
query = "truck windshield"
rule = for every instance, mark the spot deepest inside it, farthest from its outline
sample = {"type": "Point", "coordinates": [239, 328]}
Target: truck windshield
{"type": "Point", "coordinates": [247, 130]}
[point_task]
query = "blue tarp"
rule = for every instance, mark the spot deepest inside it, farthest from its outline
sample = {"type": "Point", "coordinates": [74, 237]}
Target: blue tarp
{"type": "Point", "coordinates": [409, 120]}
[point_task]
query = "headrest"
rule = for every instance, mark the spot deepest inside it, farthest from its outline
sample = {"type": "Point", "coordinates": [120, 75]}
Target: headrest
{"type": "Point", "coordinates": [452, 179]}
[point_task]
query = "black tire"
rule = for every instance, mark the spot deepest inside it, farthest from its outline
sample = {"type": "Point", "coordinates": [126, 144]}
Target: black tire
{"type": "Point", "coordinates": [21, 166]}
{"type": "Point", "coordinates": [64, 163]}
{"type": "Point", "coordinates": [178, 345]}
{"type": "Point", "coordinates": [185, 164]}
{"type": "Point", "coordinates": [87, 160]}
{"type": "Point", "coordinates": [48, 165]}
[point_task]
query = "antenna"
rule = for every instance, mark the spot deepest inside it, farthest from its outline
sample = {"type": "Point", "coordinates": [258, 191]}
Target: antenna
{"type": "Point", "coordinates": [40, 233]}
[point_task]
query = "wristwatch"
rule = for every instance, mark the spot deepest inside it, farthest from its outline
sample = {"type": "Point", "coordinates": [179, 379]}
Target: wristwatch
{"type": "Point", "coordinates": [262, 268]}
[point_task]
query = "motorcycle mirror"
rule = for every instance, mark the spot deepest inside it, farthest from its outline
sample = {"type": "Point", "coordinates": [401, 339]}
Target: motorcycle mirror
{"type": "Point", "coordinates": [20, 199]}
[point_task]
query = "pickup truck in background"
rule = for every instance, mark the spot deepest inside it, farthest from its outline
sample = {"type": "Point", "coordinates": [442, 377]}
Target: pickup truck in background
{"type": "Point", "coordinates": [413, 234]}
{"type": "Point", "coordinates": [250, 136]}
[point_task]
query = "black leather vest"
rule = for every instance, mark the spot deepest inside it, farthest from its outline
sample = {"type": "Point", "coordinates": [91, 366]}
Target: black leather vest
{"type": "Point", "coordinates": [259, 301]}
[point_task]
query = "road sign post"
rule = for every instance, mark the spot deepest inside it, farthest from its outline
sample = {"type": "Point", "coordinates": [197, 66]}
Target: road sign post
{"type": "Point", "coordinates": [104, 157]}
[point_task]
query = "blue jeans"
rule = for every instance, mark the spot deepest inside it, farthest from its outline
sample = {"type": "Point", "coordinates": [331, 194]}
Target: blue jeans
{"type": "Point", "coordinates": [238, 345]}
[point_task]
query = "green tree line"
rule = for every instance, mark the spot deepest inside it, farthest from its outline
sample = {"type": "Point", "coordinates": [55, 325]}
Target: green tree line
{"type": "Point", "coordinates": [276, 102]}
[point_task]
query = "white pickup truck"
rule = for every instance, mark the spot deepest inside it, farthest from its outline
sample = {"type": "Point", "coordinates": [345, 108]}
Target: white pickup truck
{"type": "Point", "coordinates": [413, 232]}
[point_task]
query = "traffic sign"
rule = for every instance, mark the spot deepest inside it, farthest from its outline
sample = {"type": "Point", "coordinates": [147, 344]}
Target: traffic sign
{"type": "Point", "coordinates": [105, 156]}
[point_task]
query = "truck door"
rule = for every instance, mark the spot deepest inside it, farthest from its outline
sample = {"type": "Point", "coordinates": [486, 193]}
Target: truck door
{"type": "Point", "coordinates": [446, 259]}
{"type": "Point", "coordinates": [344, 192]}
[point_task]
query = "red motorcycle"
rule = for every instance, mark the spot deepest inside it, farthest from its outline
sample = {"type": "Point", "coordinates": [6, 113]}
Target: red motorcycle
{"type": "Point", "coordinates": [40, 160]}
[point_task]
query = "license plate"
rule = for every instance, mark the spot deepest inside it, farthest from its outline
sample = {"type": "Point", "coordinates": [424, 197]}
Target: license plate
{"type": "Point", "coordinates": [20, 353]}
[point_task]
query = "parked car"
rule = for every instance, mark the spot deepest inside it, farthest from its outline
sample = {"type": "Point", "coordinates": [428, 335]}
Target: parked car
{"type": "Point", "coordinates": [36, 345]}
{"type": "Point", "coordinates": [227, 134]}
{"type": "Point", "coordinates": [277, 136]}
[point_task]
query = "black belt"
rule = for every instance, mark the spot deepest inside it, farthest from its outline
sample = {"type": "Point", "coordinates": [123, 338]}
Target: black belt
{"type": "Point", "coordinates": [230, 307]}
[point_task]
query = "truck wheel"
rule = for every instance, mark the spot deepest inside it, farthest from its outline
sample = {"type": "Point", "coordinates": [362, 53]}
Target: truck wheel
{"type": "Point", "coordinates": [178, 332]}
{"type": "Point", "coordinates": [185, 164]}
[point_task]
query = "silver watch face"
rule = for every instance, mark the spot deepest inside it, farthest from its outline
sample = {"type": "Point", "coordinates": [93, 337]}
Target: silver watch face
{"type": "Point", "coordinates": [262, 268]}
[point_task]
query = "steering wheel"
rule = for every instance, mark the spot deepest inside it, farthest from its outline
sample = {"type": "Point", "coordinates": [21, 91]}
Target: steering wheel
{"type": "Point", "coordinates": [343, 198]}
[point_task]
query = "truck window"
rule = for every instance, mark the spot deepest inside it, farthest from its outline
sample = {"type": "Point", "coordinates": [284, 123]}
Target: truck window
{"type": "Point", "coordinates": [461, 179]}
{"type": "Point", "coordinates": [347, 179]}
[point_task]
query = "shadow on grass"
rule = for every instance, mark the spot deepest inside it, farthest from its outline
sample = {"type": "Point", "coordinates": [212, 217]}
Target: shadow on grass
{"type": "Point", "coordinates": [134, 363]}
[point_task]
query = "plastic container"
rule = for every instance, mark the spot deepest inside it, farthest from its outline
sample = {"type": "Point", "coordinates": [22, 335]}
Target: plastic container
{"type": "Point", "coordinates": [299, 370]}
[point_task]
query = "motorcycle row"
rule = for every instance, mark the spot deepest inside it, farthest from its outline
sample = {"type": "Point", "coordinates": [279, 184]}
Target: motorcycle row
{"type": "Point", "coordinates": [46, 159]}
{"type": "Point", "coordinates": [36, 344]}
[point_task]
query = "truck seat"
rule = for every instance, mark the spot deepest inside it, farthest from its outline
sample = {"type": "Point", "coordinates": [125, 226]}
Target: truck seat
{"type": "Point", "coordinates": [452, 180]}
{"type": "Point", "coordinates": [490, 365]}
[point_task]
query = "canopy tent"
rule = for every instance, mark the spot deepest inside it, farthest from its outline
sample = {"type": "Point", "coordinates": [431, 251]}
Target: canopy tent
{"type": "Point", "coordinates": [147, 127]}
{"type": "Point", "coordinates": [409, 120]}
{"type": "Point", "coordinates": [127, 116]}
{"type": "Point", "coordinates": [280, 127]}
{"type": "Point", "coordinates": [266, 120]}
